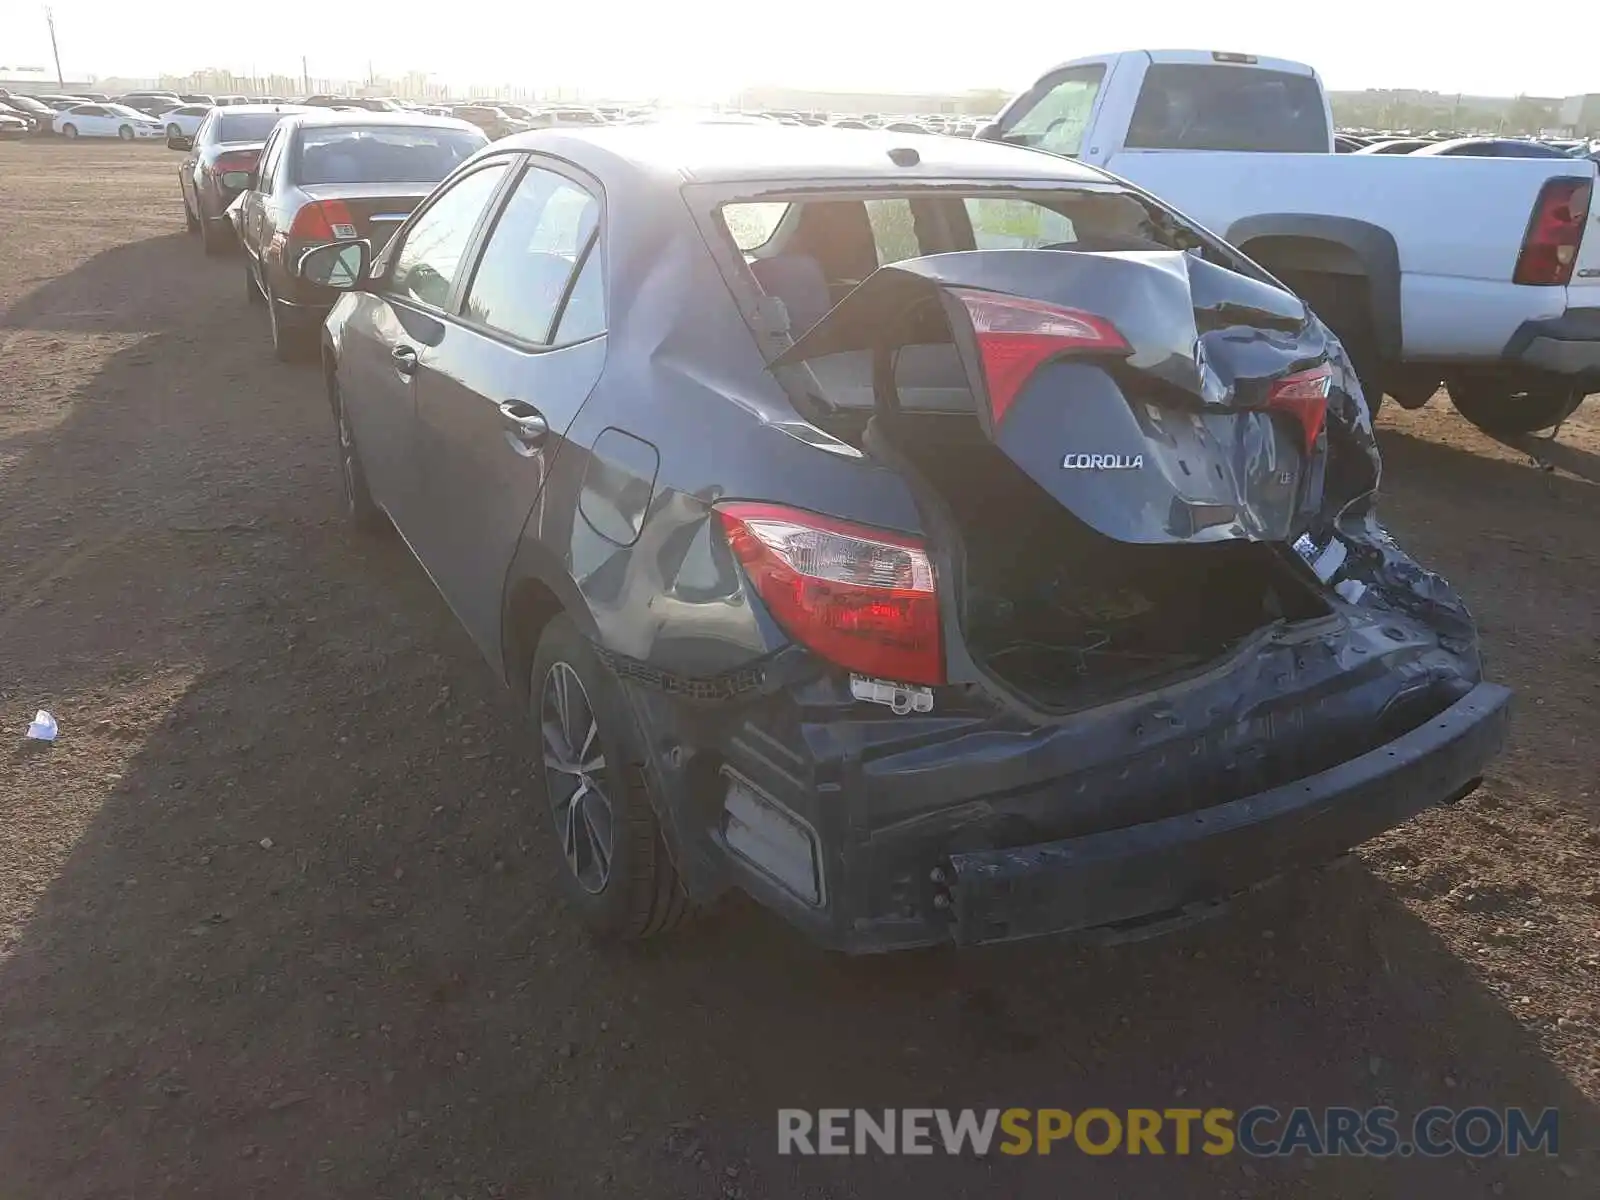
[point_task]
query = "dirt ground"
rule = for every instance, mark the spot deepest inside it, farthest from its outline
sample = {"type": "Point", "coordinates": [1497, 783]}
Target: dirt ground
{"type": "Point", "coordinates": [277, 912]}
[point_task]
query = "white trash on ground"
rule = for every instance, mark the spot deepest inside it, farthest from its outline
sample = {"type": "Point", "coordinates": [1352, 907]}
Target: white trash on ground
{"type": "Point", "coordinates": [43, 727]}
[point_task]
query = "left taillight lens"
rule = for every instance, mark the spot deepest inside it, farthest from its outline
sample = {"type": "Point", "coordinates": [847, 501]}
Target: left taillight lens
{"type": "Point", "coordinates": [1304, 397]}
{"type": "Point", "coordinates": [864, 599]}
{"type": "Point", "coordinates": [235, 160]}
{"type": "Point", "coordinates": [1016, 336]}
{"type": "Point", "coordinates": [324, 221]}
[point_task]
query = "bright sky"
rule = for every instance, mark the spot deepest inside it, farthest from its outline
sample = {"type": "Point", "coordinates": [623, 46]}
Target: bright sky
{"type": "Point", "coordinates": [704, 49]}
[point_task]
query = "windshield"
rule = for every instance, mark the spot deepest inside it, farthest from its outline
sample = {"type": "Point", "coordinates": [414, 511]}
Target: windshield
{"type": "Point", "coordinates": [387, 155]}
{"type": "Point", "coordinates": [247, 127]}
{"type": "Point", "coordinates": [1208, 106]}
{"type": "Point", "coordinates": [122, 110]}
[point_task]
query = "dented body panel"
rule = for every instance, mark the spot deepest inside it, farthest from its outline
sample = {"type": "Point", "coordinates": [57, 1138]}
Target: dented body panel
{"type": "Point", "coordinates": [946, 816]}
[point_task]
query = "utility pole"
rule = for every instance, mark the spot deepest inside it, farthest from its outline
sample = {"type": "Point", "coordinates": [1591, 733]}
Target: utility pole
{"type": "Point", "coordinates": [50, 20]}
{"type": "Point", "coordinates": [305, 75]}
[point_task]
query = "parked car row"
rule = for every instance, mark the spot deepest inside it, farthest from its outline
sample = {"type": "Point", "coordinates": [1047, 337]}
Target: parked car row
{"type": "Point", "coordinates": [737, 451]}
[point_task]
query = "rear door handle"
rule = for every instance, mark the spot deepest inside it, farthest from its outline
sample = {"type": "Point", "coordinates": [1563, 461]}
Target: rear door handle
{"type": "Point", "coordinates": [405, 359]}
{"type": "Point", "coordinates": [524, 423]}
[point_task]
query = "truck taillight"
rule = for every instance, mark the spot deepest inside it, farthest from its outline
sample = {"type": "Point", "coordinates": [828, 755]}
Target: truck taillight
{"type": "Point", "coordinates": [1016, 336]}
{"type": "Point", "coordinates": [1303, 396]}
{"type": "Point", "coordinates": [324, 221]}
{"type": "Point", "coordinates": [1550, 246]}
{"type": "Point", "coordinates": [862, 598]}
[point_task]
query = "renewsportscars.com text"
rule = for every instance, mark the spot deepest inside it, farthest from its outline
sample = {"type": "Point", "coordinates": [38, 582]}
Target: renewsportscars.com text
{"type": "Point", "coordinates": [1260, 1131]}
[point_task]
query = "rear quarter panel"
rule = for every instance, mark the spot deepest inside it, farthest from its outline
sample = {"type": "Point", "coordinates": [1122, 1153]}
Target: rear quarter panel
{"type": "Point", "coordinates": [683, 374]}
{"type": "Point", "coordinates": [1458, 224]}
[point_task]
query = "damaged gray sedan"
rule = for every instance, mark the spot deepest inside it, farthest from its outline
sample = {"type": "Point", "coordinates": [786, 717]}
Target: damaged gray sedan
{"type": "Point", "coordinates": [938, 541]}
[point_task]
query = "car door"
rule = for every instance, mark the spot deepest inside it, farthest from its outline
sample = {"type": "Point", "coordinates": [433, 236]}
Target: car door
{"type": "Point", "coordinates": [188, 174]}
{"type": "Point", "coordinates": [256, 221]}
{"type": "Point", "coordinates": [91, 120]}
{"type": "Point", "coordinates": [495, 395]}
{"type": "Point", "coordinates": [387, 331]}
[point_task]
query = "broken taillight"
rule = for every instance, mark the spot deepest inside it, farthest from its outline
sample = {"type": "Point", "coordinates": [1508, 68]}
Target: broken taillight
{"type": "Point", "coordinates": [1303, 396]}
{"type": "Point", "coordinates": [1550, 247]}
{"type": "Point", "coordinates": [862, 598]}
{"type": "Point", "coordinates": [1016, 336]}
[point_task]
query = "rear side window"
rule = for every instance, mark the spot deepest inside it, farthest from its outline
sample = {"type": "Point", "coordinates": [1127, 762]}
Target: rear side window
{"type": "Point", "coordinates": [428, 260]}
{"type": "Point", "coordinates": [1209, 106]}
{"type": "Point", "coordinates": [894, 230]}
{"type": "Point", "coordinates": [537, 244]}
{"type": "Point", "coordinates": [1055, 114]}
{"type": "Point", "coordinates": [752, 225]}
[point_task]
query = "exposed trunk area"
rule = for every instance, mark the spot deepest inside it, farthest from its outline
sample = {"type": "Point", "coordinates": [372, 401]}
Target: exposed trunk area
{"type": "Point", "coordinates": [1068, 616]}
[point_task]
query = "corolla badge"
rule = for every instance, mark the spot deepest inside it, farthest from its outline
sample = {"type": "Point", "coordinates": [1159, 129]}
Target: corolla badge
{"type": "Point", "coordinates": [1103, 462]}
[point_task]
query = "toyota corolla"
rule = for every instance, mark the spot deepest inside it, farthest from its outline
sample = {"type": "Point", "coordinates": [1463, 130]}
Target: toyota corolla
{"type": "Point", "coordinates": [939, 541]}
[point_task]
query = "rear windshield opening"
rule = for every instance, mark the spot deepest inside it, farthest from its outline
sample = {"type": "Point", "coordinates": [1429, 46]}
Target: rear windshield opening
{"type": "Point", "coordinates": [1204, 106]}
{"type": "Point", "coordinates": [353, 155]}
{"type": "Point", "coordinates": [807, 255]}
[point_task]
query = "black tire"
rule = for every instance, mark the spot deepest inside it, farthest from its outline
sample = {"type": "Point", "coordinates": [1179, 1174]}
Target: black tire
{"type": "Point", "coordinates": [69, 130]}
{"type": "Point", "coordinates": [1507, 406]}
{"type": "Point", "coordinates": [191, 223]}
{"type": "Point", "coordinates": [355, 500]}
{"type": "Point", "coordinates": [638, 894]}
{"type": "Point", "coordinates": [252, 289]}
{"type": "Point", "coordinates": [125, 132]}
{"type": "Point", "coordinates": [173, 131]}
{"type": "Point", "coordinates": [289, 344]}
{"type": "Point", "coordinates": [212, 240]}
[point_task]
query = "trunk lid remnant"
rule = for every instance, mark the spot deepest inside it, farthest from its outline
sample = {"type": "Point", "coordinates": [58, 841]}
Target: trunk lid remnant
{"type": "Point", "coordinates": [1158, 397]}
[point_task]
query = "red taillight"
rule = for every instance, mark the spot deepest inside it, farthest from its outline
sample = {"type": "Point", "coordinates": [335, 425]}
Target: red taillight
{"type": "Point", "coordinates": [1550, 246]}
{"type": "Point", "coordinates": [235, 160]}
{"type": "Point", "coordinates": [861, 598]}
{"type": "Point", "coordinates": [1017, 336]}
{"type": "Point", "coordinates": [1304, 396]}
{"type": "Point", "coordinates": [323, 221]}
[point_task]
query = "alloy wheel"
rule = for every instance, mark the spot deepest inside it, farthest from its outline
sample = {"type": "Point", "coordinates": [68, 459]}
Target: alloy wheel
{"type": "Point", "coordinates": [576, 779]}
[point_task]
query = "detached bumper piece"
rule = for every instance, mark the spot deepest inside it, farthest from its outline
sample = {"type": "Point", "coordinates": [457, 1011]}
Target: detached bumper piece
{"type": "Point", "coordinates": [1158, 873]}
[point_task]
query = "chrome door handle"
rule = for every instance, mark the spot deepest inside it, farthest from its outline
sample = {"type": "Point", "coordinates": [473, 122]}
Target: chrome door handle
{"type": "Point", "coordinates": [525, 423]}
{"type": "Point", "coordinates": [404, 359]}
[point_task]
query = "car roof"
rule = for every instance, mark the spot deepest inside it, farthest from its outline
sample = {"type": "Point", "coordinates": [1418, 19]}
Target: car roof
{"type": "Point", "coordinates": [345, 118]}
{"type": "Point", "coordinates": [713, 153]}
{"type": "Point", "coordinates": [234, 110]}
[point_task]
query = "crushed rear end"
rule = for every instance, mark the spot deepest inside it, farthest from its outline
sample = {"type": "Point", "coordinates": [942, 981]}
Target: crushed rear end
{"type": "Point", "coordinates": [1150, 648]}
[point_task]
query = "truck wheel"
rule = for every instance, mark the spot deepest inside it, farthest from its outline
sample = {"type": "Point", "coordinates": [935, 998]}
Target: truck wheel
{"type": "Point", "coordinates": [617, 873]}
{"type": "Point", "coordinates": [1512, 405]}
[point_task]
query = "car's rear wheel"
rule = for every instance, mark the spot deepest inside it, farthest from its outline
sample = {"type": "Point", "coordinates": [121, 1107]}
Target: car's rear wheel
{"type": "Point", "coordinates": [617, 873]}
{"type": "Point", "coordinates": [289, 344]}
{"type": "Point", "coordinates": [355, 499]}
{"type": "Point", "coordinates": [70, 131]}
{"type": "Point", "coordinates": [125, 132]}
{"type": "Point", "coordinates": [212, 239]}
{"type": "Point", "coordinates": [191, 223]}
{"type": "Point", "coordinates": [1508, 405]}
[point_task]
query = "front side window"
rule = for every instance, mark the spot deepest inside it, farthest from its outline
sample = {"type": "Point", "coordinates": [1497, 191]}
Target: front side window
{"type": "Point", "coordinates": [522, 278]}
{"type": "Point", "coordinates": [1210, 106]}
{"type": "Point", "coordinates": [1054, 115]}
{"type": "Point", "coordinates": [428, 261]}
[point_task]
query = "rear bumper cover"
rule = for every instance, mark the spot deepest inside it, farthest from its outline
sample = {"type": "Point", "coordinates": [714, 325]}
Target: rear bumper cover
{"type": "Point", "coordinates": [1566, 345]}
{"type": "Point", "coordinates": [1164, 868]}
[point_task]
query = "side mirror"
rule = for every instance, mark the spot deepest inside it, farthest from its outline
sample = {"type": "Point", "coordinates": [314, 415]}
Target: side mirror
{"type": "Point", "coordinates": [989, 131]}
{"type": "Point", "coordinates": [180, 142]}
{"type": "Point", "coordinates": [342, 266]}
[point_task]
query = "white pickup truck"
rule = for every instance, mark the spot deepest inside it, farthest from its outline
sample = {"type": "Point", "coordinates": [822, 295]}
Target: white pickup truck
{"type": "Point", "coordinates": [1474, 271]}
